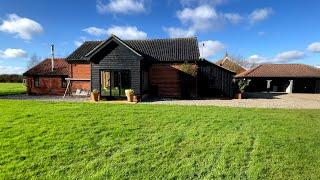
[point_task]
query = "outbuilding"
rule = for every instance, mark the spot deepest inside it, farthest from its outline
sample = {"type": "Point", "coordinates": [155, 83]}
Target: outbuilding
{"type": "Point", "coordinates": [287, 78]}
{"type": "Point", "coordinates": [48, 77]}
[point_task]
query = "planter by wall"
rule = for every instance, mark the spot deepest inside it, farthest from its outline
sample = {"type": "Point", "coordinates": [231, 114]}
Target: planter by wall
{"type": "Point", "coordinates": [129, 93]}
{"type": "Point", "coordinates": [95, 97]}
{"type": "Point", "coordinates": [238, 96]}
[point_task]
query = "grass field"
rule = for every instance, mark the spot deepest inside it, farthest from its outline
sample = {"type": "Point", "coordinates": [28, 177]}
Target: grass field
{"type": "Point", "coordinates": [12, 88]}
{"type": "Point", "coordinates": [87, 140]}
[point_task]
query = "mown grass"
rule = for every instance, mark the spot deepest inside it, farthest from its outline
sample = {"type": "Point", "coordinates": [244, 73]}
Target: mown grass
{"type": "Point", "coordinates": [86, 140]}
{"type": "Point", "coordinates": [12, 88]}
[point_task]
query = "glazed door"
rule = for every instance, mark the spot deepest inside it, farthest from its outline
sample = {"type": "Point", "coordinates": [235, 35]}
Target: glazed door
{"type": "Point", "coordinates": [114, 83]}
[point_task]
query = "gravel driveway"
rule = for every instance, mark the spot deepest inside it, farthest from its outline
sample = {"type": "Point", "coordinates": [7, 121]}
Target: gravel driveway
{"type": "Point", "coordinates": [254, 100]}
{"type": "Point", "coordinates": [257, 100]}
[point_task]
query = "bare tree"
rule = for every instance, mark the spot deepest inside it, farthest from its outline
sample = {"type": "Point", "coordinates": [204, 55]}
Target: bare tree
{"type": "Point", "coordinates": [246, 63]}
{"type": "Point", "coordinates": [34, 60]}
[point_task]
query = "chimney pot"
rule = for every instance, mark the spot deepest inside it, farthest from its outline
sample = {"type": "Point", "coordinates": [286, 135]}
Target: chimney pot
{"type": "Point", "coordinates": [52, 57]}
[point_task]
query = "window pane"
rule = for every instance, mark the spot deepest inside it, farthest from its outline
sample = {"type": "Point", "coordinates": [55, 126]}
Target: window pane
{"type": "Point", "coordinates": [105, 83]}
{"type": "Point", "coordinates": [125, 82]}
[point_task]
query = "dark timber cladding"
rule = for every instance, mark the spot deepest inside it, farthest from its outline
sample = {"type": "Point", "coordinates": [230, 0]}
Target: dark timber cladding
{"type": "Point", "coordinates": [116, 57]}
{"type": "Point", "coordinates": [214, 80]}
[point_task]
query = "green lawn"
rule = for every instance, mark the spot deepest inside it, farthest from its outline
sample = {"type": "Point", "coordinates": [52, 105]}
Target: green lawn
{"type": "Point", "coordinates": [12, 88]}
{"type": "Point", "coordinates": [102, 141]}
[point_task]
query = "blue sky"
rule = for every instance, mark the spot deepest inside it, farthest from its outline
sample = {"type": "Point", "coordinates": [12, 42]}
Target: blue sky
{"type": "Point", "coordinates": [273, 31]}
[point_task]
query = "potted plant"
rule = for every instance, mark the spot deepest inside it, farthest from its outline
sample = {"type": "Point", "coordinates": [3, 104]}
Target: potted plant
{"type": "Point", "coordinates": [95, 95]}
{"type": "Point", "coordinates": [129, 94]}
{"type": "Point", "coordinates": [242, 84]}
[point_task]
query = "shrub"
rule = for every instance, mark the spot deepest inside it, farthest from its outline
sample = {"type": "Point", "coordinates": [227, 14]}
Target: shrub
{"type": "Point", "coordinates": [129, 92]}
{"type": "Point", "coordinates": [242, 85]}
{"type": "Point", "coordinates": [191, 69]}
{"type": "Point", "coordinates": [95, 91]}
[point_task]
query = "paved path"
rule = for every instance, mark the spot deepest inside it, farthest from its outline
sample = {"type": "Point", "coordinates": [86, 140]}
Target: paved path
{"type": "Point", "coordinates": [258, 100]}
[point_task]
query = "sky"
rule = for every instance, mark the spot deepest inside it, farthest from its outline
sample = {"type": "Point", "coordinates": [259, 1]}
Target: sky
{"type": "Point", "coordinates": [261, 31]}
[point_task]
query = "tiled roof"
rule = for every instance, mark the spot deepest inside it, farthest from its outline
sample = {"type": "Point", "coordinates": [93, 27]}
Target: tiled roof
{"type": "Point", "coordinates": [81, 51]}
{"type": "Point", "coordinates": [61, 68]}
{"type": "Point", "coordinates": [215, 64]}
{"type": "Point", "coordinates": [178, 49]}
{"type": "Point", "coordinates": [227, 63]}
{"type": "Point", "coordinates": [282, 70]}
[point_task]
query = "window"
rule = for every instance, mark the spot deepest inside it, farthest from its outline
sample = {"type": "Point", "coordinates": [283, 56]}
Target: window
{"type": "Point", "coordinates": [63, 83]}
{"type": "Point", "coordinates": [36, 82]}
{"type": "Point", "coordinates": [115, 82]}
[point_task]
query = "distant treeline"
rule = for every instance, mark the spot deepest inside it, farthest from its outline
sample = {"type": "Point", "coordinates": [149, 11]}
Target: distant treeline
{"type": "Point", "coordinates": [11, 78]}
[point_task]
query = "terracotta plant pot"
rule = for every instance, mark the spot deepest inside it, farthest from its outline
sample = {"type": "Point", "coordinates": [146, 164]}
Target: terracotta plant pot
{"type": "Point", "coordinates": [95, 97]}
{"type": "Point", "coordinates": [130, 98]}
{"type": "Point", "coordinates": [129, 94]}
{"type": "Point", "coordinates": [135, 99]}
{"type": "Point", "coordinates": [238, 95]}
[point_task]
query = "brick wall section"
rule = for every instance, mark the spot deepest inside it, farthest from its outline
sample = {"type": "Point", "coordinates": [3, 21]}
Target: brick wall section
{"type": "Point", "coordinates": [80, 71]}
{"type": "Point", "coordinates": [48, 86]}
{"type": "Point", "coordinates": [165, 78]}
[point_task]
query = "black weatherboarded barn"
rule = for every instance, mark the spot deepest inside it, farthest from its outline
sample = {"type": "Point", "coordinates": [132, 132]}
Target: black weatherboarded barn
{"type": "Point", "coordinates": [158, 67]}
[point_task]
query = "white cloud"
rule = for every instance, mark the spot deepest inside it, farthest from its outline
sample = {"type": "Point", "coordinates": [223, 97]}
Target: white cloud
{"type": "Point", "coordinates": [201, 2]}
{"type": "Point", "coordinates": [259, 15]}
{"type": "Point", "coordinates": [23, 28]}
{"type": "Point", "coordinates": [200, 18]}
{"type": "Point", "coordinates": [210, 48]}
{"type": "Point", "coordinates": [13, 53]}
{"type": "Point", "coordinates": [234, 18]}
{"type": "Point", "coordinates": [11, 70]}
{"type": "Point", "coordinates": [121, 6]}
{"type": "Point", "coordinates": [289, 56]}
{"type": "Point", "coordinates": [79, 42]}
{"type": "Point", "coordinates": [314, 47]}
{"type": "Point", "coordinates": [261, 33]}
{"type": "Point", "coordinates": [95, 31]}
{"type": "Point", "coordinates": [205, 17]}
{"type": "Point", "coordinates": [127, 32]}
{"type": "Point", "coordinates": [123, 32]}
{"type": "Point", "coordinates": [179, 32]}
{"type": "Point", "coordinates": [284, 57]}
{"type": "Point", "coordinates": [257, 59]}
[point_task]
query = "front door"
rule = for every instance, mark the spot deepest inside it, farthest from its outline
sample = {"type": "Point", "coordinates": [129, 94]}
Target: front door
{"type": "Point", "coordinates": [114, 83]}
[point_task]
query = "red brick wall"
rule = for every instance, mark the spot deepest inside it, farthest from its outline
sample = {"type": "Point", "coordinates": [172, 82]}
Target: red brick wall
{"type": "Point", "coordinates": [48, 86]}
{"type": "Point", "coordinates": [80, 71]}
{"type": "Point", "coordinates": [166, 78]}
